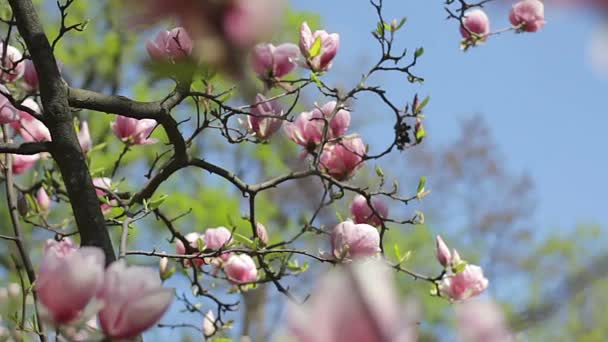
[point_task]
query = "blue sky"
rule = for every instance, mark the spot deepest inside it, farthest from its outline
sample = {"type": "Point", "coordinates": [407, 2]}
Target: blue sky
{"type": "Point", "coordinates": [546, 107]}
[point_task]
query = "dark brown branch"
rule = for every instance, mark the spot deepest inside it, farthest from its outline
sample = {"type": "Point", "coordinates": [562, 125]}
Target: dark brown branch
{"type": "Point", "coordinates": [65, 148]}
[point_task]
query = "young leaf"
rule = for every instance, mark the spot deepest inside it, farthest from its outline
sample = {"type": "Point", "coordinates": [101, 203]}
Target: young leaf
{"type": "Point", "coordinates": [315, 49]}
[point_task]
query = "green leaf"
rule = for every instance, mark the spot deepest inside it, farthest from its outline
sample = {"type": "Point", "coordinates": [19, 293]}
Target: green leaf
{"type": "Point", "coordinates": [243, 239]}
{"type": "Point", "coordinates": [401, 23]}
{"type": "Point", "coordinates": [420, 134]}
{"type": "Point", "coordinates": [200, 244]}
{"type": "Point", "coordinates": [222, 339]}
{"type": "Point", "coordinates": [387, 27]}
{"type": "Point", "coordinates": [315, 49]}
{"type": "Point", "coordinates": [155, 203]}
{"type": "Point", "coordinates": [379, 171]}
{"type": "Point", "coordinates": [339, 216]}
{"type": "Point", "coordinates": [421, 185]}
{"type": "Point", "coordinates": [459, 267]}
{"type": "Point", "coordinates": [315, 78]}
{"type": "Point", "coordinates": [380, 29]}
{"type": "Point", "coordinates": [397, 251]}
{"type": "Point", "coordinates": [419, 52]}
{"type": "Point", "coordinates": [423, 103]}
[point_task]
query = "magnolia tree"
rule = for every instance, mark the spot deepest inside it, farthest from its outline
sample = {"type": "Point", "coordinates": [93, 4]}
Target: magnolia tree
{"type": "Point", "coordinates": [88, 282]}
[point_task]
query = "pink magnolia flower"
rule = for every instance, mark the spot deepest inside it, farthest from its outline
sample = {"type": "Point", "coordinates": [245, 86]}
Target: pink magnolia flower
{"type": "Point", "coordinates": [442, 252]}
{"type": "Point", "coordinates": [22, 163]}
{"type": "Point", "coordinates": [265, 118]}
{"type": "Point", "coordinates": [362, 212]}
{"type": "Point", "coordinates": [102, 186]}
{"type": "Point", "coordinates": [343, 158]}
{"type": "Point", "coordinates": [247, 22]}
{"type": "Point", "coordinates": [170, 45]}
{"type": "Point", "coordinates": [192, 238]}
{"type": "Point", "coordinates": [480, 321]}
{"type": "Point", "coordinates": [463, 285]}
{"type": "Point", "coordinates": [529, 15]}
{"type": "Point", "coordinates": [134, 131]}
{"type": "Point", "coordinates": [216, 238]}
{"type": "Point", "coordinates": [274, 62]}
{"type": "Point", "coordinates": [8, 113]}
{"type": "Point", "coordinates": [353, 241]}
{"type": "Point", "coordinates": [262, 233]}
{"type": "Point", "coordinates": [25, 116]}
{"type": "Point", "coordinates": [358, 303]}
{"type": "Point", "coordinates": [322, 60]}
{"type": "Point", "coordinates": [84, 137]}
{"type": "Point", "coordinates": [43, 199]}
{"type": "Point", "coordinates": [477, 22]}
{"type": "Point", "coordinates": [134, 300]}
{"type": "Point", "coordinates": [13, 64]}
{"type": "Point", "coordinates": [34, 130]}
{"type": "Point", "coordinates": [68, 279]}
{"type": "Point", "coordinates": [307, 129]}
{"type": "Point", "coordinates": [30, 76]}
{"type": "Point", "coordinates": [240, 268]}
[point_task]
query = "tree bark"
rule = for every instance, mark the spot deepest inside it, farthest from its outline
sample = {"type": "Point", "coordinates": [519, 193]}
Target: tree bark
{"type": "Point", "coordinates": [64, 148]}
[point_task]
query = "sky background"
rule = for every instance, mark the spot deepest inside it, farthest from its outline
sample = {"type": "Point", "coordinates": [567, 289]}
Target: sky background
{"type": "Point", "coordinates": [544, 103]}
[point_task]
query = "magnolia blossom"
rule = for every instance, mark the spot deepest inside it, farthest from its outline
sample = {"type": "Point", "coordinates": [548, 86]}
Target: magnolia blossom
{"type": "Point", "coordinates": [307, 129]}
{"type": "Point", "coordinates": [170, 45]}
{"type": "Point", "coordinates": [262, 233]}
{"type": "Point", "coordinates": [362, 212]}
{"type": "Point", "coordinates": [22, 163]}
{"type": "Point", "coordinates": [350, 240]}
{"type": "Point", "coordinates": [265, 118]}
{"type": "Point", "coordinates": [68, 279]}
{"type": "Point", "coordinates": [30, 76]}
{"type": "Point", "coordinates": [102, 186]}
{"type": "Point", "coordinates": [463, 285]}
{"type": "Point", "coordinates": [358, 303]}
{"type": "Point", "coordinates": [476, 21]}
{"type": "Point", "coordinates": [13, 64]}
{"type": "Point", "coordinates": [34, 130]}
{"type": "Point", "coordinates": [343, 158]}
{"type": "Point", "coordinates": [480, 321]}
{"type": "Point", "coordinates": [25, 116]}
{"type": "Point", "coordinates": [529, 15]}
{"type": "Point", "coordinates": [209, 324]}
{"type": "Point", "coordinates": [274, 62]}
{"type": "Point", "coordinates": [84, 138]}
{"type": "Point", "coordinates": [8, 113]}
{"type": "Point", "coordinates": [216, 238]}
{"type": "Point", "coordinates": [43, 199]}
{"type": "Point", "coordinates": [240, 268]}
{"type": "Point", "coordinates": [193, 239]}
{"type": "Point", "coordinates": [320, 60]}
{"type": "Point", "coordinates": [442, 252]}
{"type": "Point", "coordinates": [134, 300]}
{"type": "Point", "coordinates": [134, 131]}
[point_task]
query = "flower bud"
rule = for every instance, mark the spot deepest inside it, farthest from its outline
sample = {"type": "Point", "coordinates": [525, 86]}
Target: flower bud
{"type": "Point", "coordinates": [84, 138]}
{"type": "Point", "coordinates": [240, 268]}
{"type": "Point", "coordinates": [259, 122]}
{"type": "Point", "coordinates": [30, 76]}
{"type": "Point", "coordinates": [262, 233]}
{"type": "Point", "coordinates": [22, 206]}
{"type": "Point", "coordinates": [102, 186]}
{"type": "Point", "coordinates": [134, 300]}
{"type": "Point", "coordinates": [442, 252]}
{"type": "Point", "coordinates": [13, 64]}
{"type": "Point", "coordinates": [8, 113]}
{"type": "Point", "coordinates": [271, 62]}
{"type": "Point", "coordinates": [181, 249]}
{"type": "Point", "coordinates": [22, 163]}
{"type": "Point", "coordinates": [134, 131]}
{"type": "Point", "coordinates": [209, 324]}
{"type": "Point", "coordinates": [34, 131]}
{"type": "Point", "coordinates": [476, 21]}
{"type": "Point", "coordinates": [68, 279]}
{"type": "Point", "coordinates": [343, 158]}
{"type": "Point", "coordinates": [528, 15]}
{"type": "Point", "coordinates": [43, 199]}
{"type": "Point", "coordinates": [456, 257]}
{"type": "Point", "coordinates": [362, 212]}
{"type": "Point", "coordinates": [170, 45]}
{"type": "Point", "coordinates": [163, 268]}
{"type": "Point", "coordinates": [350, 240]}
{"type": "Point", "coordinates": [463, 285]}
{"type": "Point", "coordinates": [25, 116]}
{"type": "Point", "coordinates": [216, 238]}
{"type": "Point", "coordinates": [320, 60]}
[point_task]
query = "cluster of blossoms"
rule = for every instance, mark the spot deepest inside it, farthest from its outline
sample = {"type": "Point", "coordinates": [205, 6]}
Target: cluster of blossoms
{"type": "Point", "coordinates": [238, 268]}
{"type": "Point", "coordinates": [461, 280]}
{"type": "Point", "coordinates": [525, 16]}
{"type": "Point", "coordinates": [72, 286]}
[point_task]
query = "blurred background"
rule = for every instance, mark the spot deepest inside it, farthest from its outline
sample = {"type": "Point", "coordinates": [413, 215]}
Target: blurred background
{"type": "Point", "coordinates": [515, 158]}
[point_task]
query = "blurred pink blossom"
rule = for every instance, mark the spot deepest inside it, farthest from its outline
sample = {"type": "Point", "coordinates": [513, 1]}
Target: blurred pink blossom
{"type": "Point", "coordinates": [442, 252]}
{"type": "Point", "coordinates": [343, 158]}
{"type": "Point", "coordinates": [13, 65]}
{"type": "Point", "coordinates": [170, 45]}
{"type": "Point", "coordinates": [134, 131]}
{"type": "Point", "coordinates": [22, 163]}
{"type": "Point", "coordinates": [352, 241]}
{"type": "Point", "coordinates": [463, 285]}
{"type": "Point", "coordinates": [240, 268]}
{"type": "Point", "coordinates": [274, 62]}
{"type": "Point", "coordinates": [530, 14]}
{"type": "Point", "coordinates": [330, 43]}
{"type": "Point", "coordinates": [477, 21]}
{"type": "Point", "coordinates": [362, 212]}
{"type": "Point", "coordinates": [134, 300]}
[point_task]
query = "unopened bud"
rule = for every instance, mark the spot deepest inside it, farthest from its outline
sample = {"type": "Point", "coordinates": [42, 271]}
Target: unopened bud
{"type": "Point", "coordinates": [22, 205]}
